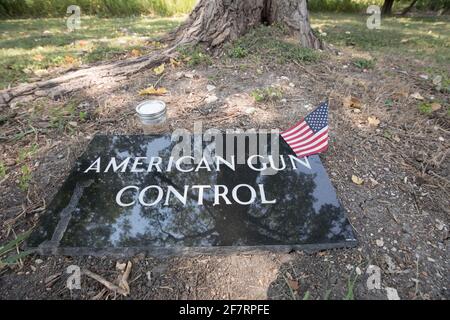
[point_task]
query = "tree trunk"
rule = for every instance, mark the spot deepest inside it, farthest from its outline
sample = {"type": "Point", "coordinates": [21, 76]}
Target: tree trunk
{"type": "Point", "coordinates": [387, 7]}
{"type": "Point", "coordinates": [215, 22]}
{"type": "Point", "coordinates": [212, 23]}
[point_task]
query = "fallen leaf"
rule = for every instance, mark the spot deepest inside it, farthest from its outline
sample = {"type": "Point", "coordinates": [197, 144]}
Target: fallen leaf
{"type": "Point", "coordinates": [373, 121]}
{"type": "Point", "coordinates": [159, 70]}
{"type": "Point", "coordinates": [136, 53]}
{"type": "Point", "coordinates": [82, 43]}
{"type": "Point", "coordinates": [69, 60]}
{"type": "Point", "coordinates": [417, 96]}
{"type": "Point", "coordinates": [38, 57]}
{"type": "Point", "coordinates": [374, 182]}
{"type": "Point", "coordinates": [189, 75]}
{"type": "Point", "coordinates": [435, 106]}
{"type": "Point", "coordinates": [151, 91]}
{"type": "Point", "coordinates": [357, 180]}
{"type": "Point", "coordinates": [440, 225]}
{"type": "Point", "coordinates": [211, 99]}
{"type": "Point", "coordinates": [351, 102]}
{"type": "Point", "coordinates": [40, 72]}
{"type": "Point", "coordinates": [174, 63]}
{"type": "Point", "coordinates": [293, 284]}
{"type": "Point", "coordinates": [379, 242]}
{"type": "Point", "coordinates": [401, 93]}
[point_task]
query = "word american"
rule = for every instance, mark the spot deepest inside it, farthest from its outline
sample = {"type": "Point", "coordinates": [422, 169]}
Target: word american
{"type": "Point", "coordinates": [185, 164]}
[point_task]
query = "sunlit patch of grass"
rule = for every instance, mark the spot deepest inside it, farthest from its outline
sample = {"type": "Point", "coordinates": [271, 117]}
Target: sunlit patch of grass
{"type": "Point", "coordinates": [422, 38]}
{"type": "Point", "coordinates": [342, 5]}
{"type": "Point", "coordinates": [29, 48]}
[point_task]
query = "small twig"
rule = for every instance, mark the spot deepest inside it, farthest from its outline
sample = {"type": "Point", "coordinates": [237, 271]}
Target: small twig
{"type": "Point", "coordinates": [290, 289]}
{"type": "Point", "coordinates": [123, 282]}
{"type": "Point", "coordinates": [159, 80]}
{"type": "Point", "coordinates": [417, 277]}
{"type": "Point", "coordinates": [109, 285]}
{"type": "Point", "coordinates": [4, 179]}
{"type": "Point", "coordinates": [416, 203]}
{"type": "Point", "coordinates": [99, 295]}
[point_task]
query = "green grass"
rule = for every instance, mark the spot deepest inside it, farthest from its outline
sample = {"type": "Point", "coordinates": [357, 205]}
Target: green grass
{"type": "Point", "coordinates": [267, 94]}
{"type": "Point", "coordinates": [421, 38]}
{"type": "Point", "coordinates": [33, 47]}
{"type": "Point", "coordinates": [2, 170]}
{"type": "Point", "coordinates": [425, 108]}
{"type": "Point", "coordinates": [271, 42]}
{"type": "Point", "coordinates": [105, 8]}
{"type": "Point", "coordinates": [307, 295]}
{"type": "Point", "coordinates": [9, 260]}
{"type": "Point", "coordinates": [360, 6]}
{"type": "Point", "coordinates": [348, 6]}
{"type": "Point", "coordinates": [25, 177]}
{"type": "Point", "coordinates": [195, 56]}
{"type": "Point", "coordinates": [27, 152]}
{"type": "Point", "coordinates": [364, 63]}
{"type": "Point", "coordinates": [29, 48]}
{"type": "Point", "coordinates": [350, 295]}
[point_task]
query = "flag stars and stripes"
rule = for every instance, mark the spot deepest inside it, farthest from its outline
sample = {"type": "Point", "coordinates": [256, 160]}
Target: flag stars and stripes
{"type": "Point", "coordinates": [309, 136]}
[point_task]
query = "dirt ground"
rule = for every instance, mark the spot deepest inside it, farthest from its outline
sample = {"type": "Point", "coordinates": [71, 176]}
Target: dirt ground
{"type": "Point", "coordinates": [400, 212]}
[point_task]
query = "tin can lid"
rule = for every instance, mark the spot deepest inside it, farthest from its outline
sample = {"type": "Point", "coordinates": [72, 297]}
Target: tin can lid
{"type": "Point", "coordinates": [151, 108]}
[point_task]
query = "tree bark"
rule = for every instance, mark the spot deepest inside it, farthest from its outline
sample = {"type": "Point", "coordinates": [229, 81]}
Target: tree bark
{"type": "Point", "coordinates": [91, 77]}
{"type": "Point", "coordinates": [387, 7]}
{"type": "Point", "coordinates": [212, 23]}
{"type": "Point", "coordinates": [215, 22]}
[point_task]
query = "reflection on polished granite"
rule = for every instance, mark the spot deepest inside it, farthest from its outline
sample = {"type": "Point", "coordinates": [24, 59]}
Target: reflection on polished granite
{"type": "Point", "coordinates": [294, 209]}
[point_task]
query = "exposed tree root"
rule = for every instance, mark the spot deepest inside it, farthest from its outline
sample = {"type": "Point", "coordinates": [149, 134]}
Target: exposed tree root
{"type": "Point", "coordinates": [74, 81]}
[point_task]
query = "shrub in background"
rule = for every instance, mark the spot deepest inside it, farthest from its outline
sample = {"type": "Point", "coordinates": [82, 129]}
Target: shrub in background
{"type": "Point", "coordinates": [105, 8]}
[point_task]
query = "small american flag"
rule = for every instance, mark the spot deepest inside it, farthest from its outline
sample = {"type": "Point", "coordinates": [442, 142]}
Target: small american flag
{"type": "Point", "coordinates": [309, 136]}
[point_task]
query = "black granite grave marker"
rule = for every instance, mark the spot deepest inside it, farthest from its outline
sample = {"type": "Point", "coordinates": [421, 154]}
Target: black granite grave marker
{"type": "Point", "coordinates": [163, 211]}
